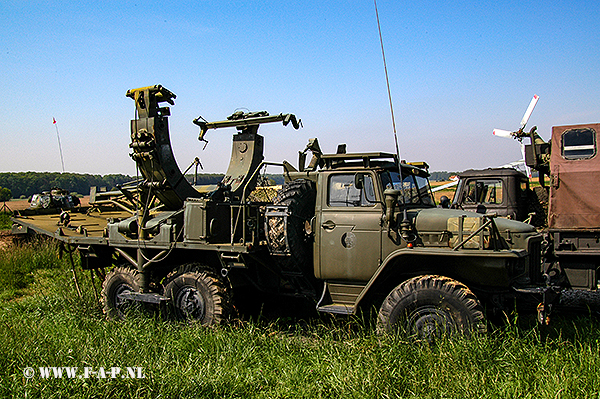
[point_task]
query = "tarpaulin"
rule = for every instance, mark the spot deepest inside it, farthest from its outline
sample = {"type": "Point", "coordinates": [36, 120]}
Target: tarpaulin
{"type": "Point", "coordinates": [575, 185]}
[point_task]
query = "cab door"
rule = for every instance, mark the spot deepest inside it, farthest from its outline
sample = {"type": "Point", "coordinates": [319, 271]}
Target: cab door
{"type": "Point", "coordinates": [348, 228]}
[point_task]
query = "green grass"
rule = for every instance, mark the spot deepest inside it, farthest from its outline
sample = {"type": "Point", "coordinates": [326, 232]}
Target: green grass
{"type": "Point", "coordinates": [5, 223]}
{"type": "Point", "coordinates": [20, 265]}
{"type": "Point", "coordinates": [48, 324]}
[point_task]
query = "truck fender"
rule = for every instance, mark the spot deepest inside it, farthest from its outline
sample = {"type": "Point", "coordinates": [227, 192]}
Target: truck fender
{"type": "Point", "coordinates": [440, 261]}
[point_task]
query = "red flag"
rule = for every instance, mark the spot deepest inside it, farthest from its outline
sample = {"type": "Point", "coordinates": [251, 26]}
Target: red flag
{"type": "Point", "coordinates": [53, 121]}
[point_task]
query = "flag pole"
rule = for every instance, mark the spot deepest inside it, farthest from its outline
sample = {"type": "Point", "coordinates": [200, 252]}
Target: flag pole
{"type": "Point", "coordinates": [59, 146]}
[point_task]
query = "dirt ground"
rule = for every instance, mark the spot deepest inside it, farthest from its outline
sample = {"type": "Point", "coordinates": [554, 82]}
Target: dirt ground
{"type": "Point", "coordinates": [5, 239]}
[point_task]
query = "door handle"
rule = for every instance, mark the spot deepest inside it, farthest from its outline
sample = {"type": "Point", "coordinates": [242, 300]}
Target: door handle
{"type": "Point", "coordinates": [328, 225]}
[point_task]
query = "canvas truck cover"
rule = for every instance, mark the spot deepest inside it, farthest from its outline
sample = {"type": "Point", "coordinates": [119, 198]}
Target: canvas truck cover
{"type": "Point", "coordinates": [575, 169]}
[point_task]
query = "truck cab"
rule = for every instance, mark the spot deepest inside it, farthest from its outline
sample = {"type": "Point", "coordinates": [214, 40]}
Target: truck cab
{"type": "Point", "coordinates": [351, 211]}
{"type": "Point", "coordinates": [376, 225]}
{"type": "Point", "coordinates": [503, 191]}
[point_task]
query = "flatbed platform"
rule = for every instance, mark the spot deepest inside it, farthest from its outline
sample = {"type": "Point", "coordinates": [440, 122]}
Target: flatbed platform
{"type": "Point", "coordinates": [86, 229]}
{"type": "Point", "coordinates": [82, 228]}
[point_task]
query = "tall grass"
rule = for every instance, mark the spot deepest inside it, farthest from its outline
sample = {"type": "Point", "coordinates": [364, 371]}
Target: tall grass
{"type": "Point", "coordinates": [19, 264]}
{"type": "Point", "coordinates": [5, 222]}
{"type": "Point", "coordinates": [50, 325]}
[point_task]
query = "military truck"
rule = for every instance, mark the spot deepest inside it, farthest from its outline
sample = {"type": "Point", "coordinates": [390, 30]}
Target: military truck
{"type": "Point", "coordinates": [504, 191]}
{"type": "Point", "coordinates": [564, 206]}
{"type": "Point", "coordinates": [348, 231]}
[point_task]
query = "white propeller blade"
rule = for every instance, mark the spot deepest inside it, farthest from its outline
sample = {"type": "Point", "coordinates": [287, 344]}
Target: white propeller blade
{"type": "Point", "coordinates": [502, 133]}
{"type": "Point", "coordinates": [532, 104]}
{"type": "Point", "coordinates": [527, 168]}
{"type": "Point", "coordinates": [506, 133]}
{"type": "Point", "coordinates": [447, 185]}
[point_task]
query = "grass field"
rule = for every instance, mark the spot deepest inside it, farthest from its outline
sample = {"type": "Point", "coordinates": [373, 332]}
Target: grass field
{"type": "Point", "coordinates": [45, 323]}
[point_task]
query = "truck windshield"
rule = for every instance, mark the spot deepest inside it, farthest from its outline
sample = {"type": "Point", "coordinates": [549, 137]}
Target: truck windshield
{"type": "Point", "coordinates": [413, 189]}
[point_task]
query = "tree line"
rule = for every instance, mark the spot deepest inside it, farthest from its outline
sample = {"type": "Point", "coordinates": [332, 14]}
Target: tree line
{"type": "Point", "coordinates": [25, 184]}
{"type": "Point", "coordinates": [442, 176]}
{"type": "Point", "coordinates": [28, 183]}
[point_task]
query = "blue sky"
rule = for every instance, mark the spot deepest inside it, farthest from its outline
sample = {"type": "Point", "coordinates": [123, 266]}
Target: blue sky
{"type": "Point", "coordinates": [457, 69]}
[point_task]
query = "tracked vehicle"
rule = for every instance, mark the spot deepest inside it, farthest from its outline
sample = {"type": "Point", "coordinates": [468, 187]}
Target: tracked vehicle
{"type": "Point", "coordinates": [346, 230]}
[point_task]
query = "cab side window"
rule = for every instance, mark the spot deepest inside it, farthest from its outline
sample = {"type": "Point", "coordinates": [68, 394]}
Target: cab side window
{"type": "Point", "coordinates": [524, 188]}
{"type": "Point", "coordinates": [484, 192]}
{"type": "Point", "coordinates": [343, 192]}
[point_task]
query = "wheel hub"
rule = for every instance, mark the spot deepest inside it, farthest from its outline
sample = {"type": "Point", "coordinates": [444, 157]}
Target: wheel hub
{"type": "Point", "coordinates": [190, 302]}
{"type": "Point", "coordinates": [121, 302]}
{"type": "Point", "coordinates": [430, 322]}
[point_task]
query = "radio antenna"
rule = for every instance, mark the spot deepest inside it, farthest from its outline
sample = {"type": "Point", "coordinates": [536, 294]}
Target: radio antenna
{"type": "Point", "coordinates": [387, 81]}
{"type": "Point", "coordinates": [62, 161]}
{"type": "Point", "coordinates": [405, 225]}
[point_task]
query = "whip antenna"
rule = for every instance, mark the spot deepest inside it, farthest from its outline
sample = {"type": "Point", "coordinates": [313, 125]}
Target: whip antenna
{"type": "Point", "coordinates": [62, 161]}
{"type": "Point", "coordinates": [387, 81]}
{"type": "Point", "coordinates": [405, 225]}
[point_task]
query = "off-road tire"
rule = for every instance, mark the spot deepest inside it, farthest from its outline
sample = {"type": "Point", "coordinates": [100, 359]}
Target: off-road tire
{"type": "Point", "coordinates": [299, 196]}
{"type": "Point", "coordinates": [428, 307]}
{"type": "Point", "coordinates": [198, 294]}
{"type": "Point", "coordinates": [119, 280]}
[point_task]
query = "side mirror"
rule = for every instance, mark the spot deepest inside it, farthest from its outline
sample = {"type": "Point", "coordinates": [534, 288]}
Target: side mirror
{"type": "Point", "coordinates": [359, 181]}
{"type": "Point", "coordinates": [391, 199]}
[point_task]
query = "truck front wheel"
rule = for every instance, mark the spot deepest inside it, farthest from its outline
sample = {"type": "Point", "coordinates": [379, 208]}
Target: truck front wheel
{"type": "Point", "coordinates": [428, 307]}
{"type": "Point", "coordinates": [198, 294]}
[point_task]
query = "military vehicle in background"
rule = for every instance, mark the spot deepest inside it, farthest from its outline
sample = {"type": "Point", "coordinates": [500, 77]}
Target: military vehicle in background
{"type": "Point", "coordinates": [52, 201]}
{"type": "Point", "coordinates": [504, 191]}
{"type": "Point", "coordinates": [347, 231]}
{"type": "Point", "coordinates": [564, 206]}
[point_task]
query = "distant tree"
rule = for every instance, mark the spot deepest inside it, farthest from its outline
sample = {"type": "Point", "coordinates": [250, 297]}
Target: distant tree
{"type": "Point", "coordinates": [29, 183]}
{"type": "Point", "coordinates": [5, 194]}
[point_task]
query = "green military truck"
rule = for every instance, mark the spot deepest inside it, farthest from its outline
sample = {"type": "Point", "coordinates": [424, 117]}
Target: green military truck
{"type": "Point", "coordinates": [346, 230]}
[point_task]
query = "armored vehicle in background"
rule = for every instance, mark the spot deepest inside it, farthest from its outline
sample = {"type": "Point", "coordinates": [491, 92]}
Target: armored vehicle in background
{"type": "Point", "coordinates": [52, 201]}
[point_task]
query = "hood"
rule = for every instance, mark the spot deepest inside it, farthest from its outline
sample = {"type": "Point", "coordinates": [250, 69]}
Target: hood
{"type": "Point", "coordinates": [436, 219]}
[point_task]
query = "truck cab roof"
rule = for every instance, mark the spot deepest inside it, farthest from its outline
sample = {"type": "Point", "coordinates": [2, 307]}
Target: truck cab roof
{"type": "Point", "coordinates": [491, 172]}
{"type": "Point", "coordinates": [381, 160]}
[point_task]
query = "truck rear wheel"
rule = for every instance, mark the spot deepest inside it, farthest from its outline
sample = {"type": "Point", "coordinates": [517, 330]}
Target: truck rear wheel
{"type": "Point", "coordinates": [198, 294]}
{"type": "Point", "coordinates": [119, 281]}
{"type": "Point", "coordinates": [428, 307]}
